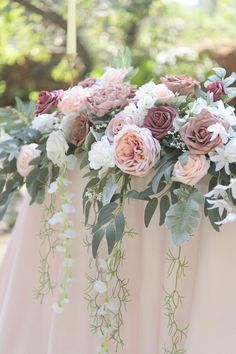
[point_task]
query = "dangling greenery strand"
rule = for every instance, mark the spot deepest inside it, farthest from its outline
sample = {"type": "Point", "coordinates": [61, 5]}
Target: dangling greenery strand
{"type": "Point", "coordinates": [172, 301]}
{"type": "Point", "coordinates": [46, 235]}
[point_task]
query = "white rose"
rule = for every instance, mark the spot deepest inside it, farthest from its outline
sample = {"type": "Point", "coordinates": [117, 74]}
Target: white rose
{"type": "Point", "coordinates": [57, 147]}
{"type": "Point", "coordinates": [230, 151]}
{"type": "Point", "coordinates": [101, 154]}
{"type": "Point", "coordinates": [192, 170]}
{"type": "Point", "coordinates": [44, 122]}
{"type": "Point", "coordinates": [162, 93]}
{"type": "Point", "coordinates": [26, 155]}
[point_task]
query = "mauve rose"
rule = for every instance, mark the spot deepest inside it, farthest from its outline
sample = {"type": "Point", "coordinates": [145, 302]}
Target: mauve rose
{"type": "Point", "coordinates": [159, 120]}
{"type": "Point", "coordinates": [105, 99]}
{"type": "Point", "coordinates": [117, 123]}
{"type": "Point", "coordinates": [47, 100]}
{"type": "Point", "coordinates": [135, 150]}
{"type": "Point", "coordinates": [217, 88]}
{"type": "Point", "coordinates": [196, 136]}
{"type": "Point", "coordinates": [182, 84]}
{"type": "Point", "coordinates": [88, 82]}
{"type": "Point", "coordinates": [80, 130]}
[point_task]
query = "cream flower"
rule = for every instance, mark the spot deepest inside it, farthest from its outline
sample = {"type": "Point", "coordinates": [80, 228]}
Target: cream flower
{"type": "Point", "coordinates": [192, 170]}
{"type": "Point", "coordinates": [101, 154]}
{"type": "Point", "coordinates": [57, 147]}
{"type": "Point", "coordinates": [26, 155]}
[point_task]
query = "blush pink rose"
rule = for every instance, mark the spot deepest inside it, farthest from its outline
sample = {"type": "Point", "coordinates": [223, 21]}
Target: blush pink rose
{"type": "Point", "coordinates": [182, 84]}
{"type": "Point", "coordinates": [191, 171]}
{"type": "Point", "coordinates": [196, 136]}
{"type": "Point", "coordinates": [162, 93]}
{"type": "Point", "coordinates": [26, 155]}
{"type": "Point", "coordinates": [159, 120]}
{"type": "Point", "coordinates": [74, 99]}
{"type": "Point", "coordinates": [47, 100]}
{"type": "Point", "coordinates": [114, 76]}
{"type": "Point", "coordinates": [117, 123]}
{"type": "Point", "coordinates": [217, 88]}
{"type": "Point", "coordinates": [105, 99]}
{"type": "Point", "coordinates": [135, 150]}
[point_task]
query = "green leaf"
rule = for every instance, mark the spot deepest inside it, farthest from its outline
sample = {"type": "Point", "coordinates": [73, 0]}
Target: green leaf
{"type": "Point", "coordinates": [120, 226]}
{"type": "Point", "coordinates": [164, 207]}
{"type": "Point", "coordinates": [144, 195]}
{"type": "Point", "coordinates": [111, 237]}
{"type": "Point", "coordinates": [220, 72]}
{"type": "Point", "coordinates": [109, 190]}
{"type": "Point", "coordinates": [97, 238]}
{"type": "Point", "coordinates": [183, 217]}
{"type": "Point", "coordinates": [84, 162]}
{"type": "Point", "coordinates": [149, 210]}
{"type": "Point", "coordinates": [86, 211]}
{"type": "Point", "coordinates": [2, 184]}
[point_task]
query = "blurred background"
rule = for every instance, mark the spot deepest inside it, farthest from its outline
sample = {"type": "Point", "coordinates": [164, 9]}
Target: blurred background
{"type": "Point", "coordinates": [164, 36]}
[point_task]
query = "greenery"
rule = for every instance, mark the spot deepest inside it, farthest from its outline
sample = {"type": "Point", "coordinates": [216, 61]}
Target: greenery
{"type": "Point", "coordinates": [164, 37]}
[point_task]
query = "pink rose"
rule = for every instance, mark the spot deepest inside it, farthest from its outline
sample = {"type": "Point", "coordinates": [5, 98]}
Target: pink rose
{"type": "Point", "coordinates": [217, 88]}
{"type": "Point", "coordinates": [26, 155]}
{"type": "Point", "coordinates": [74, 99]}
{"type": "Point", "coordinates": [135, 150]}
{"type": "Point", "coordinates": [105, 99]}
{"type": "Point", "coordinates": [117, 123]}
{"type": "Point", "coordinates": [191, 171]}
{"type": "Point", "coordinates": [196, 136]}
{"type": "Point", "coordinates": [162, 93]}
{"type": "Point", "coordinates": [159, 120]}
{"type": "Point", "coordinates": [47, 100]}
{"type": "Point", "coordinates": [114, 76]}
{"type": "Point", "coordinates": [88, 82]}
{"type": "Point", "coordinates": [182, 84]}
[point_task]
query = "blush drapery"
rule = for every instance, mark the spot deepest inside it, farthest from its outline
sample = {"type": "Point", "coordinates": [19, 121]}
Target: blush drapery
{"type": "Point", "coordinates": [209, 288]}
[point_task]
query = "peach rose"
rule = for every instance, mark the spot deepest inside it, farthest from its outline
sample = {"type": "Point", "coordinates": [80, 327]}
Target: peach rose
{"type": "Point", "coordinates": [182, 84]}
{"type": "Point", "coordinates": [135, 150]}
{"type": "Point", "coordinates": [191, 171]}
{"type": "Point", "coordinates": [196, 135]}
{"type": "Point", "coordinates": [26, 155]}
{"type": "Point", "coordinates": [74, 99]}
{"type": "Point", "coordinates": [117, 123]}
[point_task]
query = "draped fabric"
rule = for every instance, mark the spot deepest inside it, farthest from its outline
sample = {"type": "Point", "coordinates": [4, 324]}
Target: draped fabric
{"type": "Point", "coordinates": [209, 289]}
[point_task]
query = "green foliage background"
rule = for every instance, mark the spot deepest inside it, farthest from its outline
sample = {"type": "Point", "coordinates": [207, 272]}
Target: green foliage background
{"type": "Point", "coordinates": [164, 36]}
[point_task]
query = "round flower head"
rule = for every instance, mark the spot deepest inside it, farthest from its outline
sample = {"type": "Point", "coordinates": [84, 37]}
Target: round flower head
{"type": "Point", "coordinates": [135, 150]}
{"type": "Point", "coordinates": [26, 155]}
{"type": "Point", "coordinates": [182, 84]}
{"type": "Point", "coordinates": [47, 100]}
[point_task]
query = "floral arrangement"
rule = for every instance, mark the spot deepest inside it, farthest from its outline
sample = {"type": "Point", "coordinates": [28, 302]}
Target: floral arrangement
{"type": "Point", "coordinates": [174, 132]}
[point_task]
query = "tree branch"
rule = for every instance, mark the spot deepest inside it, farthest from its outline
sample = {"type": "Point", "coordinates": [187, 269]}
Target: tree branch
{"type": "Point", "coordinates": [59, 21]}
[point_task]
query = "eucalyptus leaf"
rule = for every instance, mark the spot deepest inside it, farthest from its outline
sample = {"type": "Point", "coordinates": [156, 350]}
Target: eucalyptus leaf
{"type": "Point", "coordinates": [120, 226]}
{"type": "Point", "coordinates": [111, 237]}
{"type": "Point", "coordinates": [97, 238]}
{"type": "Point", "coordinates": [109, 190]}
{"type": "Point", "coordinates": [150, 210]}
{"type": "Point", "coordinates": [164, 207]}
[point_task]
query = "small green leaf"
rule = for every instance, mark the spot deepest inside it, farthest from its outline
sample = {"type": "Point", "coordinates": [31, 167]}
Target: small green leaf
{"type": "Point", "coordinates": [111, 237]}
{"type": "Point", "coordinates": [149, 210]}
{"type": "Point", "coordinates": [164, 207]}
{"type": "Point", "coordinates": [109, 190]}
{"type": "Point", "coordinates": [97, 238]}
{"type": "Point", "coordinates": [120, 226]}
{"type": "Point", "coordinates": [84, 162]}
{"type": "Point", "coordinates": [87, 210]}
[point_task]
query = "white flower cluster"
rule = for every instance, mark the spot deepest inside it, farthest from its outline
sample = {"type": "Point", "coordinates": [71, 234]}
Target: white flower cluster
{"type": "Point", "coordinates": [219, 198]}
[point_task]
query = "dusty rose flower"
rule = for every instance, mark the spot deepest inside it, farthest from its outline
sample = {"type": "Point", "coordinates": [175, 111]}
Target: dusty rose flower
{"type": "Point", "coordinates": [80, 130]}
{"type": "Point", "coordinates": [117, 123]}
{"type": "Point", "coordinates": [182, 84]}
{"type": "Point", "coordinates": [159, 120]}
{"type": "Point", "coordinates": [88, 82]}
{"type": "Point", "coordinates": [135, 150]}
{"type": "Point", "coordinates": [105, 99]}
{"type": "Point", "coordinates": [191, 171]}
{"type": "Point", "coordinates": [217, 88]}
{"type": "Point", "coordinates": [196, 136]}
{"type": "Point", "coordinates": [47, 100]}
{"type": "Point", "coordinates": [26, 155]}
{"type": "Point", "coordinates": [132, 92]}
{"type": "Point", "coordinates": [74, 99]}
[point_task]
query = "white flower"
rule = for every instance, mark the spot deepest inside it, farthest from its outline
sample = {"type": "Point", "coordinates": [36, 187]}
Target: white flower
{"type": "Point", "coordinates": [218, 130]}
{"type": "Point", "coordinates": [221, 159]}
{"type": "Point", "coordinates": [198, 105]}
{"type": "Point", "coordinates": [157, 92]}
{"type": "Point", "coordinates": [231, 217]}
{"type": "Point", "coordinates": [57, 147]}
{"type": "Point", "coordinates": [217, 191]}
{"type": "Point", "coordinates": [101, 154]}
{"type": "Point", "coordinates": [146, 89]}
{"type": "Point", "coordinates": [146, 102]}
{"type": "Point", "coordinates": [220, 204]}
{"type": "Point", "coordinates": [57, 307]}
{"type": "Point", "coordinates": [53, 187]}
{"type": "Point", "coordinates": [70, 233]}
{"type": "Point", "coordinates": [68, 208]}
{"type": "Point", "coordinates": [137, 113]}
{"type": "Point", "coordinates": [233, 187]}
{"type": "Point", "coordinates": [225, 113]}
{"type": "Point", "coordinates": [44, 122]}
{"type": "Point", "coordinates": [67, 123]}
{"type": "Point", "coordinates": [71, 162]}
{"type": "Point", "coordinates": [57, 218]}
{"type": "Point", "coordinates": [113, 305]}
{"type": "Point", "coordinates": [100, 287]}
